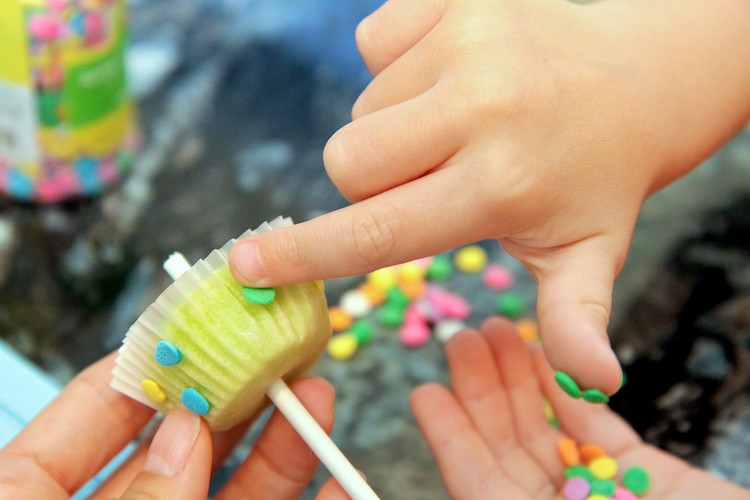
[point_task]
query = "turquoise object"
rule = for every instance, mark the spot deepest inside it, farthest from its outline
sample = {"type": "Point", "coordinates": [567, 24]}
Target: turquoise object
{"type": "Point", "coordinates": [195, 402]}
{"type": "Point", "coordinates": [166, 354]}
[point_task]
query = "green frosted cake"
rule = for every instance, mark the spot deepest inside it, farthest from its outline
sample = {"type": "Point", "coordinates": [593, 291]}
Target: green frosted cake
{"type": "Point", "coordinates": [213, 346]}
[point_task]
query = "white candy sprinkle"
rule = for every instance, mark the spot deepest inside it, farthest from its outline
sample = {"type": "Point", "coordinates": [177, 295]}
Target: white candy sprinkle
{"type": "Point", "coordinates": [446, 329]}
{"type": "Point", "coordinates": [355, 303]}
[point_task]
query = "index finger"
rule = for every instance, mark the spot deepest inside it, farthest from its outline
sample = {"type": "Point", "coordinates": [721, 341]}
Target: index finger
{"type": "Point", "coordinates": [429, 215]}
{"type": "Point", "coordinates": [82, 429]}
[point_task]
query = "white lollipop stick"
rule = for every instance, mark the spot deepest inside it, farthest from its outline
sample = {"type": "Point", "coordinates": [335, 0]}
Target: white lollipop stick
{"type": "Point", "coordinates": [298, 416]}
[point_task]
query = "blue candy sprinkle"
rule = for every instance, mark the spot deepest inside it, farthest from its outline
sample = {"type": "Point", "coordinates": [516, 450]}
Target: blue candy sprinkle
{"type": "Point", "coordinates": [194, 402]}
{"type": "Point", "coordinates": [20, 186]}
{"type": "Point", "coordinates": [166, 354]}
{"type": "Point", "coordinates": [87, 170]}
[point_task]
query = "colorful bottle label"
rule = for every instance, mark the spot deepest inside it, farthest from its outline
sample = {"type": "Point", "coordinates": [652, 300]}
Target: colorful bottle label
{"type": "Point", "coordinates": [67, 123]}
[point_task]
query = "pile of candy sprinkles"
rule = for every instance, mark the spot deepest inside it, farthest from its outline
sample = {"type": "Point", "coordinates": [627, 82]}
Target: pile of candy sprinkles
{"type": "Point", "coordinates": [590, 474]}
{"type": "Point", "coordinates": [414, 298]}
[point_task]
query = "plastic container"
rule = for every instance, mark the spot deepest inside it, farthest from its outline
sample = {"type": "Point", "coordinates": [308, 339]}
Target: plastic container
{"type": "Point", "coordinates": [67, 123]}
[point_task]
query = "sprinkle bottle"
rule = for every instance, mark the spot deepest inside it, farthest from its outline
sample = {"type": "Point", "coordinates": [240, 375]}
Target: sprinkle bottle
{"type": "Point", "coordinates": [67, 123]}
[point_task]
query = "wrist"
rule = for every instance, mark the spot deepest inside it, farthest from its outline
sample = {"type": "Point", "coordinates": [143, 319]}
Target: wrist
{"type": "Point", "coordinates": [692, 59]}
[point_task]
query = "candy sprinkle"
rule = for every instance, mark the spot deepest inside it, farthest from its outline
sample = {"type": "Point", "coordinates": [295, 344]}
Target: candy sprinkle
{"type": "Point", "coordinates": [604, 467]}
{"type": "Point", "coordinates": [579, 471]}
{"type": "Point", "coordinates": [470, 259]}
{"type": "Point", "coordinates": [195, 402]}
{"type": "Point", "coordinates": [167, 354]}
{"type": "Point", "coordinates": [151, 389]}
{"type": "Point", "coordinates": [262, 296]}
{"type": "Point", "coordinates": [342, 346]}
{"type": "Point", "coordinates": [568, 450]}
{"type": "Point", "coordinates": [595, 396]}
{"type": "Point", "coordinates": [637, 480]}
{"type": "Point", "coordinates": [576, 488]}
{"type": "Point", "coordinates": [567, 384]}
{"type": "Point", "coordinates": [591, 451]}
{"type": "Point", "coordinates": [624, 494]}
{"type": "Point", "coordinates": [604, 487]}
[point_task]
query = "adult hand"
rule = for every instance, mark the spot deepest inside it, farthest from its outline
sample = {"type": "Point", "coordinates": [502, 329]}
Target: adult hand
{"type": "Point", "coordinates": [539, 123]}
{"type": "Point", "coordinates": [491, 438]}
{"type": "Point", "coordinates": [89, 423]}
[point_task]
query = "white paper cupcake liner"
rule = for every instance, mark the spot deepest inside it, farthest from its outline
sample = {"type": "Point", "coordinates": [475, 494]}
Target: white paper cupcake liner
{"type": "Point", "coordinates": [231, 349]}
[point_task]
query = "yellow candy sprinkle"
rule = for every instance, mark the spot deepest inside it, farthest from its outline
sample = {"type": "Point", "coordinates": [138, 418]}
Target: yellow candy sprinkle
{"type": "Point", "coordinates": [383, 278]}
{"type": "Point", "coordinates": [410, 272]}
{"type": "Point", "coordinates": [528, 330]}
{"type": "Point", "coordinates": [548, 411]}
{"type": "Point", "coordinates": [153, 391]}
{"type": "Point", "coordinates": [342, 346]}
{"type": "Point", "coordinates": [603, 467]}
{"type": "Point", "coordinates": [597, 497]}
{"type": "Point", "coordinates": [470, 259]}
{"type": "Point", "coordinates": [320, 285]}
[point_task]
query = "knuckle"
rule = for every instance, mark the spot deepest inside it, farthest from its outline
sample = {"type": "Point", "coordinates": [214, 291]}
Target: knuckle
{"type": "Point", "coordinates": [284, 252]}
{"type": "Point", "coordinates": [362, 38]}
{"type": "Point", "coordinates": [340, 158]}
{"type": "Point", "coordinates": [361, 106]}
{"type": "Point", "coordinates": [373, 238]}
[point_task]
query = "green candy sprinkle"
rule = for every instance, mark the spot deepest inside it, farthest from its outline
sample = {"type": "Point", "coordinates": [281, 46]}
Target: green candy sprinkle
{"type": "Point", "coordinates": [396, 297]}
{"type": "Point", "coordinates": [511, 305]}
{"type": "Point", "coordinates": [579, 471]}
{"type": "Point", "coordinates": [391, 315]}
{"type": "Point", "coordinates": [363, 331]}
{"type": "Point", "coordinates": [263, 296]}
{"type": "Point", "coordinates": [624, 379]}
{"type": "Point", "coordinates": [637, 480]}
{"type": "Point", "coordinates": [595, 396]}
{"type": "Point", "coordinates": [567, 384]}
{"type": "Point", "coordinates": [440, 268]}
{"type": "Point", "coordinates": [604, 487]}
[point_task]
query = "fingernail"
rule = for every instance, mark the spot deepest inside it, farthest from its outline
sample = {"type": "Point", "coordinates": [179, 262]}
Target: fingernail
{"type": "Point", "coordinates": [172, 443]}
{"type": "Point", "coordinates": [246, 260]}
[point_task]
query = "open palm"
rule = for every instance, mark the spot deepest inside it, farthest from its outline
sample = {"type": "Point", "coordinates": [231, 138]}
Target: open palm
{"type": "Point", "coordinates": [491, 438]}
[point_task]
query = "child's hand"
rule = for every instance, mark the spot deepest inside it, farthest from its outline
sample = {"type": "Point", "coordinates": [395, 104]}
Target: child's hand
{"type": "Point", "coordinates": [491, 438]}
{"type": "Point", "coordinates": [539, 123]}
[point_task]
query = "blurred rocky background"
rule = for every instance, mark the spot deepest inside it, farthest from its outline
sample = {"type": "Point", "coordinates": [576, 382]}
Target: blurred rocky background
{"type": "Point", "coordinates": [237, 99]}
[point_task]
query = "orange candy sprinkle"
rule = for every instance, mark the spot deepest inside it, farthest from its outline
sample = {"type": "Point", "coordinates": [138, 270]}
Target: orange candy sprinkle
{"type": "Point", "coordinates": [528, 329]}
{"type": "Point", "coordinates": [374, 293]}
{"type": "Point", "coordinates": [568, 450]}
{"type": "Point", "coordinates": [340, 319]}
{"type": "Point", "coordinates": [590, 452]}
{"type": "Point", "coordinates": [414, 290]}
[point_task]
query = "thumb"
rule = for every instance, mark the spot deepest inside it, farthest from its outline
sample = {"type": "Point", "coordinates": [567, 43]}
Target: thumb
{"type": "Point", "coordinates": [574, 304]}
{"type": "Point", "coordinates": [178, 463]}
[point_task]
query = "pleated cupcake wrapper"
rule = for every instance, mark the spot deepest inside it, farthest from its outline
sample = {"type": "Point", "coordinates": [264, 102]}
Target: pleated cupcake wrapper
{"type": "Point", "coordinates": [201, 301]}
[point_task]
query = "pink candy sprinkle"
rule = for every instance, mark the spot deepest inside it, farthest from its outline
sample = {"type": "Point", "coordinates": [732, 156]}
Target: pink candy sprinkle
{"type": "Point", "coordinates": [414, 314]}
{"type": "Point", "coordinates": [57, 4]}
{"type": "Point", "coordinates": [576, 488]}
{"type": "Point", "coordinates": [95, 28]}
{"type": "Point", "coordinates": [449, 304]}
{"type": "Point", "coordinates": [45, 28]}
{"type": "Point", "coordinates": [414, 333]}
{"type": "Point", "coordinates": [624, 494]}
{"type": "Point", "coordinates": [497, 277]}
